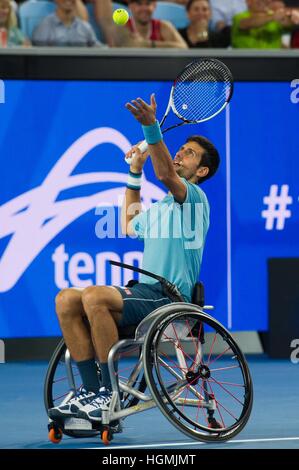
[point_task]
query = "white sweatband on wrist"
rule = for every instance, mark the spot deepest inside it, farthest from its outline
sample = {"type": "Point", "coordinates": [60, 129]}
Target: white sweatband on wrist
{"type": "Point", "coordinates": [134, 181]}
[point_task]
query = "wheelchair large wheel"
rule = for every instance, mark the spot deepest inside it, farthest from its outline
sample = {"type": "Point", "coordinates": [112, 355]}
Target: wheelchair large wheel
{"type": "Point", "coordinates": [197, 374]}
{"type": "Point", "coordinates": [58, 381]}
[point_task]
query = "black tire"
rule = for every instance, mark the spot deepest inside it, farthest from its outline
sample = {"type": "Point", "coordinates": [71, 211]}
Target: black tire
{"type": "Point", "coordinates": [49, 381]}
{"type": "Point", "coordinates": [157, 363]}
{"type": "Point", "coordinates": [56, 357]}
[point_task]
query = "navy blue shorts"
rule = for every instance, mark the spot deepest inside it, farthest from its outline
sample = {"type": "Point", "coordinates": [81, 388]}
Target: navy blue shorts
{"type": "Point", "coordinates": [140, 300]}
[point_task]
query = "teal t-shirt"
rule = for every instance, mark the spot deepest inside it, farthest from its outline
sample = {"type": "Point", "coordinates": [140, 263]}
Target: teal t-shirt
{"type": "Point", "coordinates": [174, 236]}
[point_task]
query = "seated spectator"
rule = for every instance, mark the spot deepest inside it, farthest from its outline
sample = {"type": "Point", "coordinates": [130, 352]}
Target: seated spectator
{"type": "Point", "coordinates": [10, 35]}
{"type": "Point", "coordinates": [198, 33]}
{"type": "Point", "coordinates": [141, 30]}
{"type": "Point", "coordinates": [260, 27]}
{"type": "Point", "coordinates": [64, 28]}
{"type": "Point", "coordinates": [223, 12]}
{"type": "Point", "coordinates": [81, 10]}
{"type": "Point", "coordinates": [295, 35]}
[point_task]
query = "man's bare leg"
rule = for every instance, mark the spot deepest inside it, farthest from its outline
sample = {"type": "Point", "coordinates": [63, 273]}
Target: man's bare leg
{"type": "Point", "coordinates": [77, 335]}
{"type": "Point", "coordinates": [70, 312]}
{"type": "Point", "coordinates": [103, 307]}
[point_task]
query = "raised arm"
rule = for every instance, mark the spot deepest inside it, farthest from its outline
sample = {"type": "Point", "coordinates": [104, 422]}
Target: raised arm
{"type": "Point", "coordinates": [81, 10]}
{"type": "Point", "coordinates": [160, 156]}
{"type": "Point", "coordinates": [132, 202]}
{"type": "Point", "coordinates": [103, 14]}
{"type": "Point", "coordinates": [257, 20]}
{"type": "Point", "coordinates": [171, 37]}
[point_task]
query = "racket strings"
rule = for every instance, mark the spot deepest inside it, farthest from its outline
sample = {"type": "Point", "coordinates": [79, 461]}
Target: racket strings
{"type": "Point", "coordinates": [202, 90]}
{"type": "Point", "coordinates": [198, 102]}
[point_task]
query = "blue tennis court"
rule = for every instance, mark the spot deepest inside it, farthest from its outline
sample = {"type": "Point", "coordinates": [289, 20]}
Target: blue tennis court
{"type": "Point", "coordinates": [274, 422]}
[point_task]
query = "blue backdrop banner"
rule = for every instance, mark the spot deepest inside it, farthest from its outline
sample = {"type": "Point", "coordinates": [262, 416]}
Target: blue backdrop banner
{"type": "Point", "coordinates": [62, 148]}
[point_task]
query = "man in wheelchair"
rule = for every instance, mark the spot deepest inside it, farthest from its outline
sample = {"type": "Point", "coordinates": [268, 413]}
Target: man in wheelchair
{"type": "Point", "coordinates": [90, 318]}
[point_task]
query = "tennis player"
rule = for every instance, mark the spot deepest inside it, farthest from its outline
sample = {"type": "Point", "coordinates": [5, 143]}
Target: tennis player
{"type": "Point", "coordinates": [177, 257]}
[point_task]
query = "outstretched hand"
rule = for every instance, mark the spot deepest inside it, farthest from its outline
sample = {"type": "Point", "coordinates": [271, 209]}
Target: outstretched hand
{"type": "Point", "coordinates": [143, 112]}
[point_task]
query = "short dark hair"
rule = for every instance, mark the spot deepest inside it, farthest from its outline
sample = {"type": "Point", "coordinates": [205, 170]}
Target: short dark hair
{"type": "Point", "coordinates": [210, 157]}
{"type": "Point", "coordinates": [190, 2]}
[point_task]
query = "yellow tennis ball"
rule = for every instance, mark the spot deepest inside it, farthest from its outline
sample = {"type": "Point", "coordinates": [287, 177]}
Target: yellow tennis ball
{"type": "Point", "coordinates": [120, 16]}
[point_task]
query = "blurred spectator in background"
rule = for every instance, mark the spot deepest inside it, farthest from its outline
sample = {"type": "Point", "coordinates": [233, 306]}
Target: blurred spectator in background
{"type": "Point", "coordinates": [223, 12]}
{"type": "Point", "coordinates": [10, 35]}
{"type": "Point", "coordinates": [144, 31]}
{"type": "Point", "coordinates": [261, 26]}
{"type": "Point", "coordinates": [64, 28]}
{"type": "Point", "coordinates": [199, 33]}
{"type": "Point", "coordinates": [141, 30]}
{"type": "Point", "coordinates": [295, 35]}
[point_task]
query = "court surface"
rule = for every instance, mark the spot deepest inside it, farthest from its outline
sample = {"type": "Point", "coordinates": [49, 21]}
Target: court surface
{"type": "Point", "coordinates": [274, 421]}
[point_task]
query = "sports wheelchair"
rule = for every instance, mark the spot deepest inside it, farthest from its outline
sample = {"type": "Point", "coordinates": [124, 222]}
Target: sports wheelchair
{"type": "Point", "coordinates": [179, 359]}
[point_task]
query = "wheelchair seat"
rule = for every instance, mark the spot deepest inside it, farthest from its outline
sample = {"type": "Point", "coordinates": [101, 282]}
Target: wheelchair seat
{"type": "Point", "coordinates": [139, 331]}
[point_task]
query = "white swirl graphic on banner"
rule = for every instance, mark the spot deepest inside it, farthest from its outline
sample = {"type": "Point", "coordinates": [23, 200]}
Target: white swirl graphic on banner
{"type": "Point", "coordinates": [35, 217]}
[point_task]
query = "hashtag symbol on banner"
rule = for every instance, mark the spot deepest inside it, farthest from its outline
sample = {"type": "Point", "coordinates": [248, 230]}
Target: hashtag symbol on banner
{"type": "Point", "coordinates": [277, 207]}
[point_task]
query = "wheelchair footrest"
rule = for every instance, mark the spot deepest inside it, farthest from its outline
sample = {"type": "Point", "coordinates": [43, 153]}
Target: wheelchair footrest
{"type": "Point", "coordinates": [79, 427]}
{"type": "Point", "coordinates": [79, 424]}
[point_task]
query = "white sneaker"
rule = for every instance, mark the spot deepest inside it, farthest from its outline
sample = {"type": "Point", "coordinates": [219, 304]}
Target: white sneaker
{"type": "Point", "coordinates": [71, 408]}
{"type": "Point", "coordinates": [93, 410]}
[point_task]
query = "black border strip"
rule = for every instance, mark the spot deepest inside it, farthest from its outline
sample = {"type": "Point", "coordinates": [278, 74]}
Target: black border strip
{"type": "Point", "coordinates": [140, 67]}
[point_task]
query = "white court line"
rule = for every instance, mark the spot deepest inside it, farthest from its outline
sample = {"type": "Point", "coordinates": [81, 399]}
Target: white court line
{"type": "Point", "coordinates": [193, 443]}
{"type": "Point", "coordinates": [228, 219]}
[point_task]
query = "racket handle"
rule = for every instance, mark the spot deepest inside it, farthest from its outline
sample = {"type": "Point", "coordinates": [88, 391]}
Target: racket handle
{"type": "Point", "coordinates": [142, 147]}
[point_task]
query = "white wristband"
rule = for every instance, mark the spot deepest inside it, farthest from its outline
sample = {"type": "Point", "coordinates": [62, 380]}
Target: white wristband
{"type": "Point", "coordinates": [134, 181]}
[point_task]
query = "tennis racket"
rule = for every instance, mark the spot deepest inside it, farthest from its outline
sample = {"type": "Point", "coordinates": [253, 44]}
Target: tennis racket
{"type": "Point", "coordinates": [200, 92]}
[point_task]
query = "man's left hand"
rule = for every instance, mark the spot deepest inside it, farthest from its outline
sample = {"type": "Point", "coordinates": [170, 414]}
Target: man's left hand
{"type": "Point", "coordinates": [143, 112]}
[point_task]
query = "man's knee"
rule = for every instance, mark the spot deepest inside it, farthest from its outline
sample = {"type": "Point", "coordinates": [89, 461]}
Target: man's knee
{"type": "Point", "coordinates": [68, 303]}
{"type": "Point", "coordinates": [95, 297]}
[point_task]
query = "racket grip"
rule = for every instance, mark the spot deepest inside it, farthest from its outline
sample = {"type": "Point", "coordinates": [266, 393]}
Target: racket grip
{"type": "Point", "coordinates": [142, 147]}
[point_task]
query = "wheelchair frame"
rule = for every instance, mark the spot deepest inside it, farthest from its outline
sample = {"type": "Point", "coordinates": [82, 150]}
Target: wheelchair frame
{"type": "Point", "coordinates": [148, 335]}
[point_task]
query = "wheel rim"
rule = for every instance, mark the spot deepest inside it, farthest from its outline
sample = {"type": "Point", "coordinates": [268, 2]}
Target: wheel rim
{"type": "Point", "coordinates": [198, 380]}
